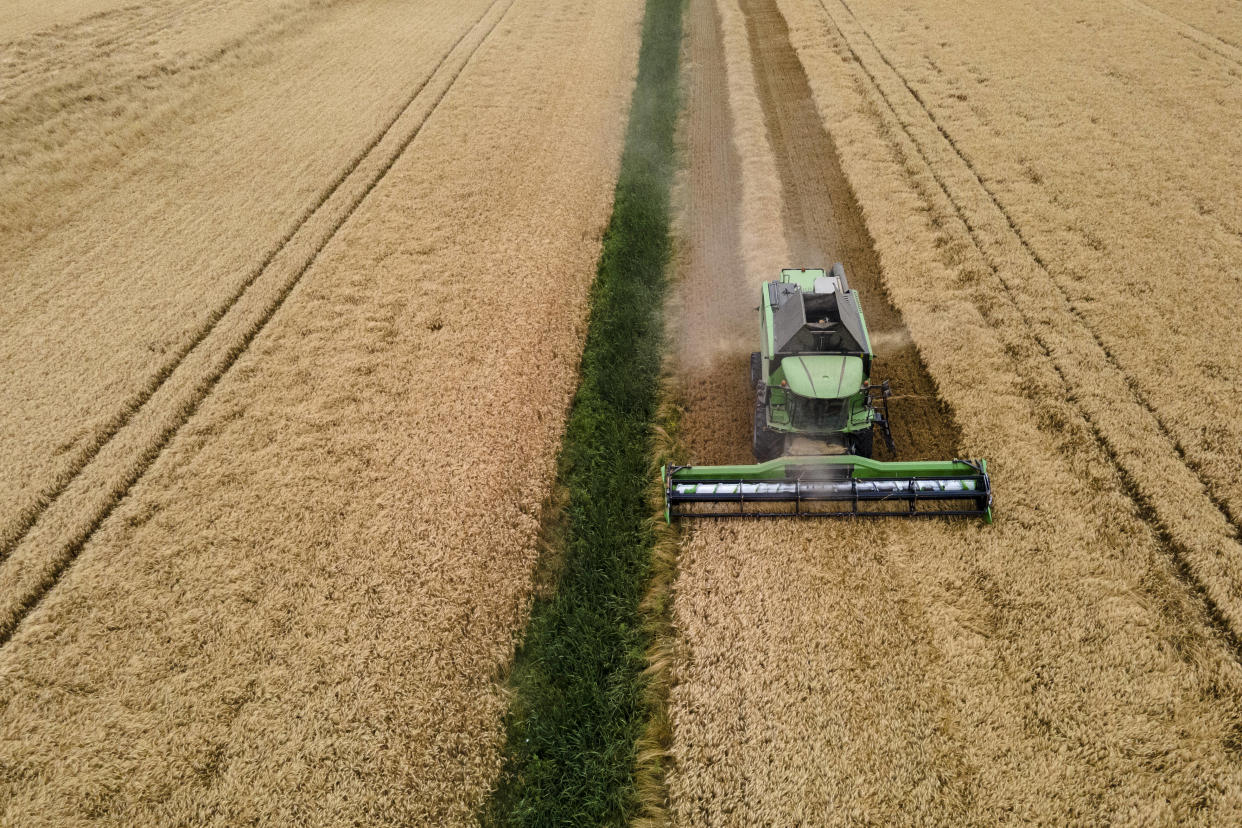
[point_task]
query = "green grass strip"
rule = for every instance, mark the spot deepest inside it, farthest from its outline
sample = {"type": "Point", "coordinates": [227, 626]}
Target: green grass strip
{"type": "Point", "coordinates": [579, 707]}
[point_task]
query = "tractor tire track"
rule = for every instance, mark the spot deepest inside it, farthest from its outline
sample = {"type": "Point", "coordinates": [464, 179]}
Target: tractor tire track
{"type": "Point", "coordinates": [14, 534]}
{"type": "Point", "coordinates": [73, 74]}
{"type": "Point", "coordinates": [1216, 45]}
{"type": "Point", "coordinates": [57, 532]}
{"type": "Point", "coordinates": [1034, 255]}
{"type": "Point", "coordinates": [1114, 409]}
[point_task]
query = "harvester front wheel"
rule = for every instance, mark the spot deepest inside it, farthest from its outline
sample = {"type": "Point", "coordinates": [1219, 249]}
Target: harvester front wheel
{"type": "Point", "coordinates": [756, 369]}
{"type": "Point", "coordinates": [862, 443]}
{"type": "Point", "coordinates": [766, 443]}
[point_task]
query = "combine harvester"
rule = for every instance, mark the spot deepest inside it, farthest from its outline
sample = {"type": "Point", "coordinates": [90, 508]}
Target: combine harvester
{"type": "Point", "coordinates": [816, 418]}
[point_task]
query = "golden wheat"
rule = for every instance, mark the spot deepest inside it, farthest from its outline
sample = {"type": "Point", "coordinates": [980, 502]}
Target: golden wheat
{"type": "Point", "coordinates": [27, 17]}
{"type": "Point", "coordinates": [301, 610]}
{"type": "Point", "coordinates": [1053, 667]}
{"type": "Point", "coordinates": [149, 168]}
{"type": "Point", "coordinates": [1102, 210]}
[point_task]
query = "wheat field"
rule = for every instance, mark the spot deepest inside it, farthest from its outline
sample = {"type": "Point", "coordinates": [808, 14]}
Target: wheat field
{"type": "Point", "coordinates": [146, 187]}
{"type": "Point", "coordinates": [293, 312]}
{"type": "Point", "coordinates": [294, 302]}
{"type": "Point", "coordinates": [1064, 277]}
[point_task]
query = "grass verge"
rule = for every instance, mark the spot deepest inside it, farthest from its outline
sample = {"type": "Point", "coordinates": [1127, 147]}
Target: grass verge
{"type": "Point", "coordinates": [581, 702]}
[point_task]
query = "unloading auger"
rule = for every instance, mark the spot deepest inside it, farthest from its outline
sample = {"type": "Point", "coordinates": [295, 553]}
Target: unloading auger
{"type": "Point", "coordinates": [813, 390]}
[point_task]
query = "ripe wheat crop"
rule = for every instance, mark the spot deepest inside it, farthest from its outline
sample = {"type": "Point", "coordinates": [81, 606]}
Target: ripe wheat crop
{"type": "Point", "coordinates": [288, 586]}
{"type": "Point", "coordinates": [1077, 659]}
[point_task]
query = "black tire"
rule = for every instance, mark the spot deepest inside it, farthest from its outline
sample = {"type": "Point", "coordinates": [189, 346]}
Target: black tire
{"type": "Point", "coordinates": [862, 443]}
{"type": "Point", "coordinates": [756, 370]}
{"type": "Point", "coordinates": [766, 443]}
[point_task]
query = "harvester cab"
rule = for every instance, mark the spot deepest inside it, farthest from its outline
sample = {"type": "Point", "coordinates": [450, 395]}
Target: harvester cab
{"type": "Point", "coordinates": [817, 414]}
{"type": "Point", "coordinates": [812, 378]}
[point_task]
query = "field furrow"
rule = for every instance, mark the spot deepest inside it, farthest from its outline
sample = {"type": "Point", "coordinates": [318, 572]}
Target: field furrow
{"type": "Point", "coordinates": [301, 602]}
{"type": "Point", "coordinates": [28, 20]}
{"type": "Point", "coordinates": [209, 190]}
{"type": "Point", "coordinates": [1168, 484]}
{"type": "Point", "coordinates": [72, 510]}
{"type": "Point", "coordinates": [1215, 26]}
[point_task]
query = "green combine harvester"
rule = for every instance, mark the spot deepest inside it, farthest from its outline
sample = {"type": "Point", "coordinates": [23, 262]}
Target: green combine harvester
{"type": "Point", "coordinates": [817, 415]}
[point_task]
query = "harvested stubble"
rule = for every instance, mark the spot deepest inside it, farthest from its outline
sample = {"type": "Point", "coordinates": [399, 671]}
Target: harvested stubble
{"type": "Point", "coordinates": [299, 613]}
{"type": "Point", "coordinates": [711, 344]}
{"type": "Point", "coordinates": [1051, 667]}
